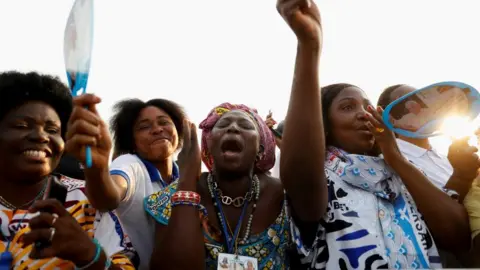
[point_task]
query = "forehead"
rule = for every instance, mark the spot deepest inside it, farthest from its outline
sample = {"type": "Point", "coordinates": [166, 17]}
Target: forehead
{"type": "Point", "coordinates": [354, 93]}
{"type": "Point", "coordinates": [237, 115]}
{"type": "Point", "coordinates": [152, 112]}
{"type": "Point", "coordinates": [34, 110]}
{"type": "Point", "coordinates": [400, 92]}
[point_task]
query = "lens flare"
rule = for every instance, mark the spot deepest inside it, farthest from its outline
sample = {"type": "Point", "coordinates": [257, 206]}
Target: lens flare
{"type": "Point", "coordinates": [459, 127]}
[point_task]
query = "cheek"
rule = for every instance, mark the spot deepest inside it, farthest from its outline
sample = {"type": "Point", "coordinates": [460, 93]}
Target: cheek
{"type": "Point", "coordinates": [173, 134]}
{"type": "Point", "coordinates": [59, 144]}
{"type": "Point", "coordinates": [213, 141]}
{"type": "Point", "coordinates": [340, 131]}
{"type": "Point", "coordinates": [253, 141]}
{"type": "Point", "coordinates": [12, 138]}
{"type": "Point", "coordinates": [140, 139]}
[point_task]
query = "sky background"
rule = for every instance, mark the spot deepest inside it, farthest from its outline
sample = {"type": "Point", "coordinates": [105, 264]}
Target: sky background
{"type": "Point", "coordinates": [202, 53]}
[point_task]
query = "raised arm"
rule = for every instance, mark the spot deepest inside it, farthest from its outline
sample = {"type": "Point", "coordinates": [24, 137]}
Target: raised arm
{"type": "Point", "coordinates": [86, 128]}
{"type": "Point", "coordinates": [303, 143]}
{"type": "Point", "coordinates": [181, 241]}
{"type": "Point", "coordinates": [442, 214]}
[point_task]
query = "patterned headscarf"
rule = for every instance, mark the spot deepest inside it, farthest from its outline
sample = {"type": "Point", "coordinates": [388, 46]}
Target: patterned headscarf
{"type": "Point", "coordinates": [267, 158]}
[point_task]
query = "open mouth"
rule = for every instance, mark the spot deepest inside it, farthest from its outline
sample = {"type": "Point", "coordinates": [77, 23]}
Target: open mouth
{"type": "Point", "coordinates": [231, 146]}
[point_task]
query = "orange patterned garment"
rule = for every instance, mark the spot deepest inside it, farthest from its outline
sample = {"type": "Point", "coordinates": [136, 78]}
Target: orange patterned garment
{"type": "Point", "coordinates": [104, 227]}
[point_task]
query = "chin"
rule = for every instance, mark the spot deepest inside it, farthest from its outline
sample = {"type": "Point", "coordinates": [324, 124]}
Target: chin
{"type": "Point", "coordinates": [362, 147]}
{"type": "Point", "coordinates": [230, 167]}
{"type": "Point", "coordinates": [32, 175]}
{"type": "Point", "coordinates": [162, 155]}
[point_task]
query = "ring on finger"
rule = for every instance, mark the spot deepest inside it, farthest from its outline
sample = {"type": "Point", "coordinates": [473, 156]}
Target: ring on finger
{"type": "Point", "coordinates": [52, 234]}
{"type": "Point", "coordinates": [380, 130]}
{"type": "Point", "coordinates": [55, 217]}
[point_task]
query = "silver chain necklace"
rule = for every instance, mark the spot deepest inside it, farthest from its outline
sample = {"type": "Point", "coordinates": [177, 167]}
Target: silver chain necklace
{"type": "Point", "coordinates": [10, 206]}
{"type": "Point", "coordinates": [227, 200]}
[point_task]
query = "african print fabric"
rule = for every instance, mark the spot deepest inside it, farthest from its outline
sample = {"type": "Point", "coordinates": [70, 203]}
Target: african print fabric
{"type": "Point", "coordinates": [104, 227]}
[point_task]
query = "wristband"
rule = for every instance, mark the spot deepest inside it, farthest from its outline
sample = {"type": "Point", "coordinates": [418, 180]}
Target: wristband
{"type": "Point", "coordinates": [200, 207]}
{"type": "Point", "coordinates": [98, 252]}
{"type": "Point", "coordinates": [186, 196]}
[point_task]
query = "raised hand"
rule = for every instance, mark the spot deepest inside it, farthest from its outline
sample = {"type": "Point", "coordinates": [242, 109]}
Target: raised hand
{"type": "Point", "coordinates": [303, 17]}
{"type": "Point", "coordinates": [270, 121]}
{"type": "Point", "coordinates": [189, 159]}
{"type": "Point", "coordinates": [86, 128]}
{"type": "Point", "coordinates": [464, 159]}
{"type": "Point", "coordinates": [384, 138]}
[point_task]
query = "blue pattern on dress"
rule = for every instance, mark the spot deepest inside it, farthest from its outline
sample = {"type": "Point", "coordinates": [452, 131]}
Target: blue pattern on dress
{"type": "Point", "coordinates": [269, 247]}
{"type": "Point", "coordinates": [371, 221]}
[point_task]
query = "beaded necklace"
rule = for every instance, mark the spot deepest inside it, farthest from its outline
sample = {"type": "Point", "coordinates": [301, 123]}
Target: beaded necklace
{"type": "Point", "coordinates": [229, 234]}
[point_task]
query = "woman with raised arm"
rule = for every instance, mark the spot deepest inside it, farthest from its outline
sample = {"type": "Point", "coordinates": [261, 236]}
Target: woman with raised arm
{"type": "Point", "coordinates": [236, 214]}
{"type": "Point", "coordinates": [377, 216]}
{"type": "Point", "coordinates": [147, 135]}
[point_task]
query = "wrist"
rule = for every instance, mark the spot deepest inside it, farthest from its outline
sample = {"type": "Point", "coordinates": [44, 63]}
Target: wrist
{"type": "Point", "coordinates": [87, 255]}
{"type": "Point", "coordinates": [95, 173]}
{"type": "Point", "coordinates": [93, 258]}
{"type": "Point", "coordinates": [393, 158]}
{"type": "Point", "coordinates": [463, 177]}
{"type": "Point", "coordinates": [311, 46]}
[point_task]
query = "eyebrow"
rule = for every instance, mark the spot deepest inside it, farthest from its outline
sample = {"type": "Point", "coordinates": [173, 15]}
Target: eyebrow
{"type": "Point", "coordinates": [365, 100]}
{"type": "Point", "coordinates": [33, 119]}
{"type": "Point", "coordinates": [148, 120]}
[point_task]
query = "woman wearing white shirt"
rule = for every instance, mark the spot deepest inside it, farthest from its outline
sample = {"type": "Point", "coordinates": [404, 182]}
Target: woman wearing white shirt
{"type": "Point", "coordinates": [146, 135]}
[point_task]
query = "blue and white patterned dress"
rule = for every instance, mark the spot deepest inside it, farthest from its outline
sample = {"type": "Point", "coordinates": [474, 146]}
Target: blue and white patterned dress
{"type": "Point", "coordinates": [371, 222]}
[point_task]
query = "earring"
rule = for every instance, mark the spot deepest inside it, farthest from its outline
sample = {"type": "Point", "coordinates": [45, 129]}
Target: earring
{"type": "Point", "coordinates": [260, 153]}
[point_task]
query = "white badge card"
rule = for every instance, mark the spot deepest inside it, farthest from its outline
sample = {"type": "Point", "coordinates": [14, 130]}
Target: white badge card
{"type": "Point", "coordinates": [236, 262]}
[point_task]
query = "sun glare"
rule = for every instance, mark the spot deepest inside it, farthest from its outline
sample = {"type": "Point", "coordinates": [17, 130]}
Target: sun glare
{"type": "Point", "coordinates": [459, 127]}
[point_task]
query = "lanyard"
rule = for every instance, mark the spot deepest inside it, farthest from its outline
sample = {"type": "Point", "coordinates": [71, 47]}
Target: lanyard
{"type": "Point", "coordinates": [230, 239]}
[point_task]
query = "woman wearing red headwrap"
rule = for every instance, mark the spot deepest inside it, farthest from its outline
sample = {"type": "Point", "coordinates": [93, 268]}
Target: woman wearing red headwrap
{"type": "Point", "coordinates": [244, 216]}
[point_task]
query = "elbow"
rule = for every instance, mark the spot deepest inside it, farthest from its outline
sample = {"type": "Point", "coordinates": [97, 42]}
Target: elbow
{"type": "Point", "coordinates": [456, 237]}
{"type": "Point", "coordinates": [106, 204]}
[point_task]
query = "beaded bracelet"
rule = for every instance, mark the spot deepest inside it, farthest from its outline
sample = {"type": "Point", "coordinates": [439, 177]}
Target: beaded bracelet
{"type": "Point", "coordinates": [200, 207]}
{"type": "Point", "coordinates": [98, 252]}
{"type": "Point", "coordinates": [186, 196]}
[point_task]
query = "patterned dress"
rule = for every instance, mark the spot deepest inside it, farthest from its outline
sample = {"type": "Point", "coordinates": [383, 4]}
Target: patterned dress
{"type": "Point", "coordinates": [104, 227]}
{"type": "Point", "coordinates": [371, 222]}
{"type": "Point", "coordinates": [269, 247]}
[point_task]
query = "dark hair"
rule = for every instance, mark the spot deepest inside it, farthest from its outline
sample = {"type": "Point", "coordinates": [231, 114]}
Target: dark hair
{"type": "Point", "coordinates": [280, 126]}
{"type": "Point", "coordinates": [18, 88]}
{"type": "Point", "coordinates": [329, 93]}
{"type": "Point", "coordinates": [126, 113]}
{"type": "Point", "coordinates": [385, 97]}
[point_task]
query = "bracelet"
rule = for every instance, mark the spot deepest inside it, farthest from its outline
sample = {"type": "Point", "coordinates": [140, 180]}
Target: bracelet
{"type": "Point", "coordinates": [186, 196]}
{"type": "Point", "coordinates": [98, 252]}
{"type": "Point", "coordinates": [200, 207]}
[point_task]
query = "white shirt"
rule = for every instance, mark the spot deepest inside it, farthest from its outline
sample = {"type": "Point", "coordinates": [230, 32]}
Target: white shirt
{"type": "Point", "coordinates": [438, 170]}
{"type": "Point", "coordinates": [276, 168]}
{"type": "Point", "coordinates": [435, 165]}
{"type": "Point", "coordinates": [137, 224]}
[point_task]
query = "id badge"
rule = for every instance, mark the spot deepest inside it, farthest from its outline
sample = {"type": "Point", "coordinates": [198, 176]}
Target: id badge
{"type": "Point", "coordinates": [236, 262]}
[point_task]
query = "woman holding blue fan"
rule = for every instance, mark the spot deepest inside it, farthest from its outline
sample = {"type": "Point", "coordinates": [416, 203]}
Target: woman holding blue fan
{"type": "Point", "coordinates": [146, 135]}
{"type": "Point", "coordinates": [43, 229]}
